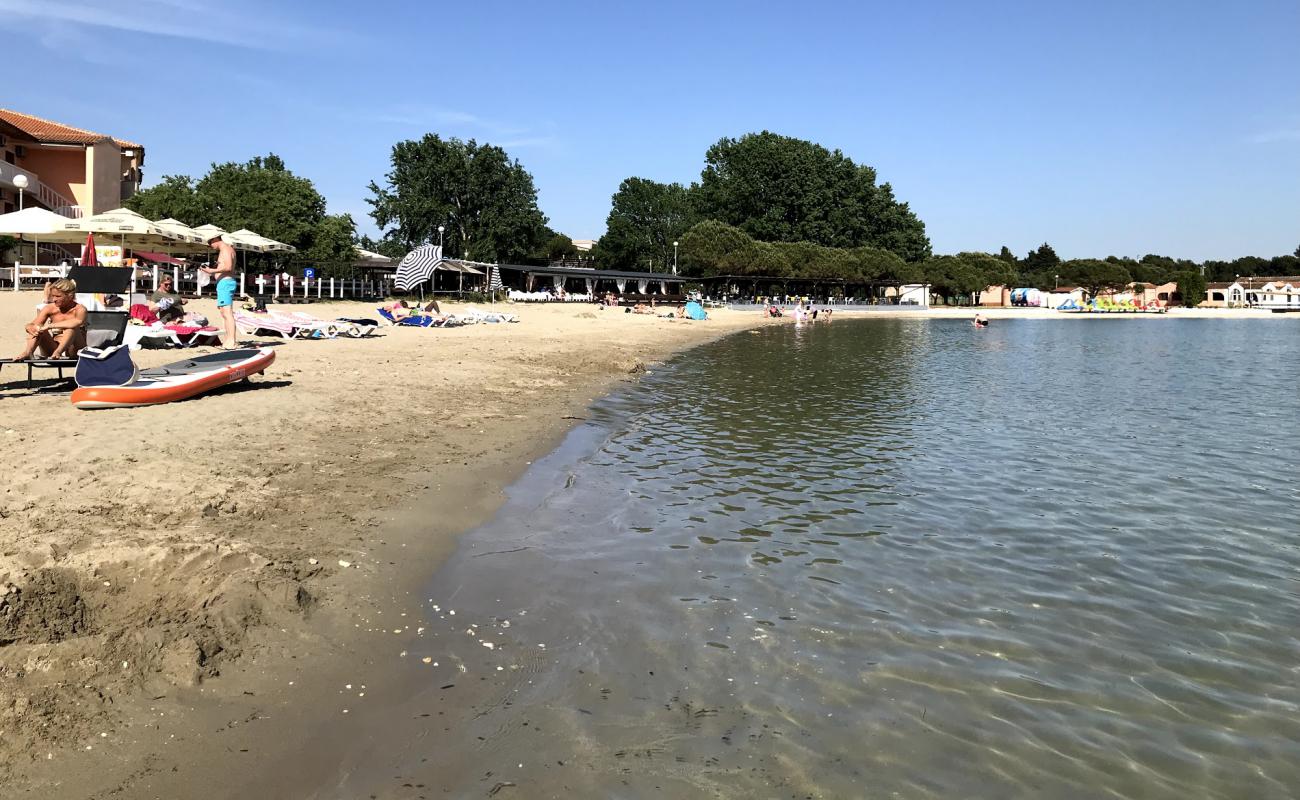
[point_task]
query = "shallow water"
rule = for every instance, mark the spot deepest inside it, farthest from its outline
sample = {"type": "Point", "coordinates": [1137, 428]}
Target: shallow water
{"type": "Point", "coordinates": [901, 558]}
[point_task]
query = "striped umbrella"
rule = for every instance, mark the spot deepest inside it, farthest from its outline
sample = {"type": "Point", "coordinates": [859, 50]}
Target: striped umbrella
{"type": "Point", "coordinates": [417, 266]}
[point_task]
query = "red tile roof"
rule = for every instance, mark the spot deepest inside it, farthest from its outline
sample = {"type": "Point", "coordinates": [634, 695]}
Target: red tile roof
{"type": "Point", "coordinates": [44, 130]}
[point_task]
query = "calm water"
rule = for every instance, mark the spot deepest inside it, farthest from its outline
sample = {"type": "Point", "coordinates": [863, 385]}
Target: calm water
{"type": "Point", "coordinates": [903, 558]}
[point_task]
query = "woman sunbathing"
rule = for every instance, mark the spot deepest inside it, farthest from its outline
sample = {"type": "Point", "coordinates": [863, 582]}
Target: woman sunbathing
{"type": "Point", "coordinates": [59, 329]}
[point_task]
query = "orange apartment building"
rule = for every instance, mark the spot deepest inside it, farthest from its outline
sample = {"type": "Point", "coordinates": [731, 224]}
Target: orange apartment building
{"type": "Point", "coordinates": [71, 171]}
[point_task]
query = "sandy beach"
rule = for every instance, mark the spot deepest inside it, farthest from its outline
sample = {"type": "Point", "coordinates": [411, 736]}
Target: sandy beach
{"type": "Point", "coordinates": [145, 552]}
{"type": "Point", "coordinates": [171, 575]}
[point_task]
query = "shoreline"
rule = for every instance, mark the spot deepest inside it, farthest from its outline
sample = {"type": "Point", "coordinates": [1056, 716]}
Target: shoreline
{"type": "Point", "coordinates": [242, 577]}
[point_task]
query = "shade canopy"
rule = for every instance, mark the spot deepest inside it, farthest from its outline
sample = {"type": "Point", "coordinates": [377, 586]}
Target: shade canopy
{"type": "Point", "coordinates": [123, 225]}
{"type": "Point", "coordinates": [417, 266]}
{"type": "Point", "coordinates": [188, 239]}
{"type": "Point", "coordinates": [41, 224]}
{"type": "Point", "coordinates": [207, 231]}
{"type": "Point", "coordinates": [158, 258]}
{"type": "Point", "coordinates": [268, 245]}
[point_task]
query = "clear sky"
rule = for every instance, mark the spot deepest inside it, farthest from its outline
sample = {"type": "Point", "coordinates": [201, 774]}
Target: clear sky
{"type": "Point", "coordinates": [1101, 127]}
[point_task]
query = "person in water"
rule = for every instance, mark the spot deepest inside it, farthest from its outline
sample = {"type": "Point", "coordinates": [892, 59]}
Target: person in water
{"type": "Point", "coordinates": [59, 329]}
{"type": "Point", "coordinates": [981, 321]}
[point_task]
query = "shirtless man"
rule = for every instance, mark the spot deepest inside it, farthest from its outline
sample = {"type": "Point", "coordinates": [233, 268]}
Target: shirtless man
{"type": "Point", "coordinates": [59, 329]}
{"type": "Point", "coordinates": [224, 273]}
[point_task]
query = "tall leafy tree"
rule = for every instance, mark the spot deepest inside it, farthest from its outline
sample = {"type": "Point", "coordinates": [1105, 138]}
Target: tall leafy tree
{"type": "Point", "coordinates": [262, 195]}
{"type": "Point", "coordinates": [780, 189]}
{"type": "Point", "coordinates": [714, 248]}
{"type": "Point", "coordinates": [645, 220]}
{"type": "Point", "coordinates": [174, 196]}
{"type": "Point", "coordinates": [486, 201]}
{"type": "Point", "coordinates": [1095, 276]}
{"type": "Point", "coordinates": [1191, 285]}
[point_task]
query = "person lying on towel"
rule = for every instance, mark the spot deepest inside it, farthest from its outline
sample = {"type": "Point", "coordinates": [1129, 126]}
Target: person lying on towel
{"type": "Point", "coordinates": [59, 329]}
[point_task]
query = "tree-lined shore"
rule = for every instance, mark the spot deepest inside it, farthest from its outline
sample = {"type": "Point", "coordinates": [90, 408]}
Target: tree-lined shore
{"type": "Point", "coordinates": [766, 205]}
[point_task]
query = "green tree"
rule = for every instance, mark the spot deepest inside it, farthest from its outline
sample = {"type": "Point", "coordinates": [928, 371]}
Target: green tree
{"type": "Point", "coordinates": [333, 245]}
{"type": "Point", "coordinates": [486, 201]}
{"type": "Point", "coordinates": [781, 189]}
{"type": "Point", "coordinates": [264, 196]}
{"type": "Point", "coordinates": [1191, 285]}
{"type": "Point", "coordinates": [1095, 276]}
{"type": "Point", "coordinates": [1006, 255]}
{"type": "Point", "coordinates": [712, 248]}
{"type": "Point", "coordinates": [645, 219]}
{"type": "Point", "coordinates": [1039, 267]}
{"type": "Point", "coordinates": [173, 197]}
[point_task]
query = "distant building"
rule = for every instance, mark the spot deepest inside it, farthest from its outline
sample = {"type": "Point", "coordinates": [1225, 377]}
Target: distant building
{"type": "Point", "coordinates": [1269, 291]}
{"type": "Point", "coordinates": [583, 244]}
{"type": "Point", "coordinates": [71, 171]}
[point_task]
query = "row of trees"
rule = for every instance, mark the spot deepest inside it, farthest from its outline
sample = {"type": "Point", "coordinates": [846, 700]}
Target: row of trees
{"type": "Point", "coordinates": [774, 189]}
{"type": "Point", "coordinates": [261, 195]}
{"type": "Point", "coordinates": [712, 248]}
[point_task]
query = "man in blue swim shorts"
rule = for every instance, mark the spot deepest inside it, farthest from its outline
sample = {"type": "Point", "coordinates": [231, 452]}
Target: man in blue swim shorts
{"type": "Point", "coordinates": [224, 273]}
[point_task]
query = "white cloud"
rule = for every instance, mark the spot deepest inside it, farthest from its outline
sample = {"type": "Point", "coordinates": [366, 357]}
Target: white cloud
{"type": "Point", "coordinates": [181, 19]}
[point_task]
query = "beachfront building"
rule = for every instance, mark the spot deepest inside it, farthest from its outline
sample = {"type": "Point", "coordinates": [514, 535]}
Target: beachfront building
{"type": "Point", "coordinates": [70, 171]}
{"type": "Point", "coordinates": [531, 283]}
{"type": "Point", "coordinates": [1280, 293]}
{"type": "Point", "coordinates": [993, 297]}
{"type": "Point", "coordinates": [584, 245]}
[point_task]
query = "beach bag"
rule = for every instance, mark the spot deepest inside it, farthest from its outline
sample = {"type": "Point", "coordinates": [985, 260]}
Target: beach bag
{"type": "Point", "coordinates": [109, 366]}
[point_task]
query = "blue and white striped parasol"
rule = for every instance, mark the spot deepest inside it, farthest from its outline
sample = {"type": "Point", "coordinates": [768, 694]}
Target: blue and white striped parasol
{"type": "Point", "coordinates": [417, 266]}
{"type": "Point", "coordinates": [494, 278]}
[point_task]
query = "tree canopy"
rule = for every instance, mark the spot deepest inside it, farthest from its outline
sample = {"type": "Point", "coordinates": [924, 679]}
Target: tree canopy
{"type": "Point", "coordinates": [781, 189]}
{"type": "Point", "coordinates": [486, 202]}
{"type": "Point", "coordinates": [261, 195]}
{"type": "Point", "coordinates": [645, 219]}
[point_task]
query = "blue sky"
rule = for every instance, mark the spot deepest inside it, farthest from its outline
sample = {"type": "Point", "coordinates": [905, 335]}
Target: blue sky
{"type": "Point", "coordinates": [1101, 127]}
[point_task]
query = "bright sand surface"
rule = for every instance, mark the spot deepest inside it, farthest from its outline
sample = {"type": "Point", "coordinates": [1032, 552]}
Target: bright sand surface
{"type": "Point", "coordinates": [266, 534]}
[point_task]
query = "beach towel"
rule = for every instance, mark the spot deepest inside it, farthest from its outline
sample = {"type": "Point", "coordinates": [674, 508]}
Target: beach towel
{"type": "Point", "coordinates": [143, 313]}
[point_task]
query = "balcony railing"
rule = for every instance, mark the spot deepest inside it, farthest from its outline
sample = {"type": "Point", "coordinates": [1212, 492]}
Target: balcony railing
{"type": "Point", "coordinates": [38, 191]}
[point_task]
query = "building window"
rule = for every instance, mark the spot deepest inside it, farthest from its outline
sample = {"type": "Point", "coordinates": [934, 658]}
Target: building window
{"type": "Point", "coordinates": [1216, 297]}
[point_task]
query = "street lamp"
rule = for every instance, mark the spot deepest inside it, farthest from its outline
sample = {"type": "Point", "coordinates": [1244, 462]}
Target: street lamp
{"type": "Point", "coordinates": [20, 181]}
{"type": "Point", "coordinates": [1058, 281]}
{"type": "Point", "coordinates": [441, 228]}
{"type": "Point", "coordinates": [674, 258]}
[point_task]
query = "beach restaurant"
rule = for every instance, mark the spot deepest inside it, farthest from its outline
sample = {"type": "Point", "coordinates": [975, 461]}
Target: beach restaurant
{"type": "Point", "coordinates": [528, 283]}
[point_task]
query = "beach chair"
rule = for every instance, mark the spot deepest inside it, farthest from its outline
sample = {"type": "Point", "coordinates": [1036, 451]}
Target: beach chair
{"type": "Point", "coordinates": [264, 325]}
{"type": "Point", "coordinates": [308, 327]}
{"type": "Point", "coordinates": [414, 320]}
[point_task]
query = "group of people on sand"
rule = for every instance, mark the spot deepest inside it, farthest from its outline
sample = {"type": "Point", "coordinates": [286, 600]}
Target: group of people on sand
{"type": "Point", "coordinates": [59, 328]}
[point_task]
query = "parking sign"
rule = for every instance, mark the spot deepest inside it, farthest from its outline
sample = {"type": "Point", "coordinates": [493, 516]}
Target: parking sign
{"type": "Point", "coordinates": [309, 272]}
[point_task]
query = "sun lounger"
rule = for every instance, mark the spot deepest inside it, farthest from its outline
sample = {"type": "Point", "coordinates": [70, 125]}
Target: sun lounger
{"type": "Point", "coordinates": [420, 320]}
{"type": "Point", "coordinates": [308, 327]}
{"type": "Point", "coordinates": [475, 315]}
{"type": "Point", "coordinates": [264, 325]}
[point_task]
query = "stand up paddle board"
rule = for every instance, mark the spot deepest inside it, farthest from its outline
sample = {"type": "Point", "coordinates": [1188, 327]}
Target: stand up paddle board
{"type": "Point", "coordinates": [177, 381]}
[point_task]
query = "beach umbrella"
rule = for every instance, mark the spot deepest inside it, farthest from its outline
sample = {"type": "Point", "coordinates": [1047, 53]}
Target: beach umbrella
{"type": "Point", "coordinates": [39, 224]}
{"type": "Point", "coordinates": [128, 227]}
{"type": "Point", "coordinates": [88, 256]}
{"type": "Point", "coordinates": [267, 245]}
{"type": "Point", "coordinates": [187, 239]}
{"type": "Point", "coordinates": [417, 266]}
{"type": "Point", "coordinates": [208, 231]}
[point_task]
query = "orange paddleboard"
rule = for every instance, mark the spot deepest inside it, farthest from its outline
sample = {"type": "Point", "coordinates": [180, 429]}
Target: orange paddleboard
{"type": "Point", "coordinates": [178, 381]}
